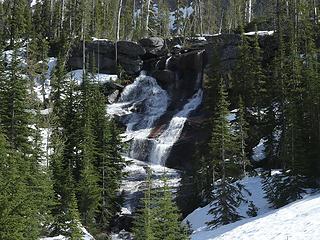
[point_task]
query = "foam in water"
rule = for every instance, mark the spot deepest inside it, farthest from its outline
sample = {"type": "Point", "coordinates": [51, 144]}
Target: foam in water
{"type": "Point", "coordinates": [165, 141]}
{"type": "Point", "coordinates": [140, 105]}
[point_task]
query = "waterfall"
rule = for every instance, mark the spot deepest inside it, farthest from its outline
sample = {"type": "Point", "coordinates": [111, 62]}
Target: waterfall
{"type": "Point", "coordinates": [167, 62]}
{"type": "Point", "coordinates": [139, 107]}
{"type": "Point", "coordinates": [141, 104]}
{"type": "Point", "coordinates": [166, 140]}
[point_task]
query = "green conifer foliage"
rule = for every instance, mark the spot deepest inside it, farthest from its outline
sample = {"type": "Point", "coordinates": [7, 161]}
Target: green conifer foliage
{"type": "Point", "coordinates": [168, 225]}
{"type": "Point", "coordinates": [242, 136]}
{"type": "Point", "coordinates": [226, 197]}
{"type": "Point", "coordinates": [145, 222]}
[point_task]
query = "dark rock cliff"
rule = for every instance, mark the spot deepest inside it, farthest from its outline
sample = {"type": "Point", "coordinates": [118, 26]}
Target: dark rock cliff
{"type": "Point", "coordinates": [178, 65]}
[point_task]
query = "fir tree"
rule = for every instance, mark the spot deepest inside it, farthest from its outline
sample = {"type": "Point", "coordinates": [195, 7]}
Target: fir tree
{"type": "Point", "coordinates": [89, 191]}
{"type": "Point", "coordinates": [168, 225]}
{"type": "Point", "coordinates": [73, 219]}
{"type": "Point", "coordinates": [226, 196]}
{"type": "Point", "coordinates": [241, 136]}
{"type": "Point", "coordinates": [144, 225]}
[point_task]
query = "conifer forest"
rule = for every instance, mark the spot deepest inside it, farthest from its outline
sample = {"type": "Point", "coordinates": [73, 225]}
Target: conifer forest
{"type": "Point", "coordinates": [159, 120]}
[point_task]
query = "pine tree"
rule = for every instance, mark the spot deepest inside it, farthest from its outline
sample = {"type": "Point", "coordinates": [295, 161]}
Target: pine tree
{"type": "Point", "coordinates": [258, 77]}
{"type": "Point", "coordinates": [145, 222]}
{"type": "Point", "coordinates": [74, 219]}
{"type": "Point", "coordinates": [168, 225]}
{"type": "Point", "coordinates": [89, 191]}
{"type": "Point", "coordinates": [242, 79]}
{"type": "Point", "coordinates": [107, 158]}
{"type": "Point", "coordinates": [242, 136]}
{"type": "Point", "coordinates": [226, 197]}
{"type": "Point", "coordinates": [3, 85]}
{"type": "Point", "coordinates": [163, 19]}
{"type": "Point", "coordinates": [16, 118]}
{"type": "Point", "coordinates": [14, 208]}
{"type": "Point", "coordinates": [253, 210]}
{"type": "Point", "coordinates": [111, 165]}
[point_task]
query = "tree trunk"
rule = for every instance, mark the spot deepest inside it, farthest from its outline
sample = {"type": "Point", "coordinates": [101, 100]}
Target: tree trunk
{"type": "Point", "coordinates": [249, 11]}
{"type": "Point", "coordinates": [221, 22]}
{"type": "Point", "coordinates": [118, 30]}
{"type": "Point", "coordinates": [62, 14]}
{"type": "Point", "coordinates": [200, 17]}
{"type": "Point", "coordinates": [146, 28]}
{"type": "Point", "coordinates": [315, 12]}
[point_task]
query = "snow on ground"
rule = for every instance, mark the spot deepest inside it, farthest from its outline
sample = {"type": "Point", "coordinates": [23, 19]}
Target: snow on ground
{"type": "Point", "coordinates": [76, 75]}
{"type": "Point", "coordinates": [200, 216]}
{"type": "Point", "coordinates": [260, 33]}
{"type": "Point", "coordinates": [232, 116]}
{"type": "Point", "coordinates": [42, 87]}
{"type": "Point", "coordinates": [297, 221]}
{"type": "Point", "coordinates": [184, 11]}
{"type": "Point", "coordinates": [259, 151]}
{"type": "Point", "coordinates": [86, 236]}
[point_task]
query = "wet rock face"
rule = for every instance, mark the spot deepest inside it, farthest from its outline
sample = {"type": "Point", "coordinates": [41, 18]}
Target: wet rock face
{"type": "Point", "coordinates": [178, 65]}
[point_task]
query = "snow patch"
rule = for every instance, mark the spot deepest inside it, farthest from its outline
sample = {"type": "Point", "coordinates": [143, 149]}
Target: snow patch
{"type": "Point", "coordinates": [259, 151]}
{"type": "Point", "coordinates": [77, 76]}
{"type": "Point", "coordinates": [297, 221]}
{"type": "Point", "coordinates": [254, 193]}
{"type": "Point", "coordinates": [260, 33]}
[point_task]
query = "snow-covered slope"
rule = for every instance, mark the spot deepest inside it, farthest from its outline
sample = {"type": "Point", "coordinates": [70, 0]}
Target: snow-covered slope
{"type": "Point", "coordinates": [297, 221]}
{"type": "Point", "coordinates": [253, 193]}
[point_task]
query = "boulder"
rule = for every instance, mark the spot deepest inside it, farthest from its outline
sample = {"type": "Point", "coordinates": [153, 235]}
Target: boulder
{"type": "Point", "coordinates": [74, 62]}
{"type": "Point", "coordinates": [102, 62]}
{"type": "Point", "coordinates": [153, 45]}
{"type": "Point", "coordinates": [130, 65]}
{"type": "Point", "coordinates": [102, 47]}
{"type": "Point", "coordinates": [229, 52]}
{"type": "Point", "coordinates": [129, 48]}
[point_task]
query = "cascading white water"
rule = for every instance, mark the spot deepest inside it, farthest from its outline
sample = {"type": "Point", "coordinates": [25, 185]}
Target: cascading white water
{"type": "Point", "coordinates": [141, 102]}
{"type": "Point", "coordinates": [166, 140]}
{"type": "Point", "coordinates": [139, 106]}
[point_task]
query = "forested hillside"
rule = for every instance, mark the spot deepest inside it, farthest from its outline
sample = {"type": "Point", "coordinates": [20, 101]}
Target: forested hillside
{"type": "Point", "coordinates": [119, 118]}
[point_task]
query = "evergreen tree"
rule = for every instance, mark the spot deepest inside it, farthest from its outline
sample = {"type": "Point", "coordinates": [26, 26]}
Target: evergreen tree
{"type": "Point", "coordinates": [111, 165]}
{"type": "Point", "coordinates": [18, 214]}
{"type": "Point", "coordinates": [16, 117]}
{"type": "Point", "coordinates": [89, 191]}
{"type": "Point", "coordinates": [3, 85]}
{"type": "Point", "coordinates": [242, 136]}
{"type": "Point", "coordinates": [168, 225]}
{"type": "Point", "coordinates": [74, 219]}
{"type": "Point", "coordinates": [226, 196]}
{"type": "Point", "coordinates": [145, 222]}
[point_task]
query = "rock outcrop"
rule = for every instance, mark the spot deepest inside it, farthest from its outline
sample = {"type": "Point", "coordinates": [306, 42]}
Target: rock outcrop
{"type": "Point", "coordinates": [178, 65]}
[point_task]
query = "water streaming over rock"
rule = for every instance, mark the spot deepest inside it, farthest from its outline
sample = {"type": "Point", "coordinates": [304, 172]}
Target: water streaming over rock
{"type": "Point", "coordinates": [165, 141]}
{"type": "Point", "coordinates": [139, 108]}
